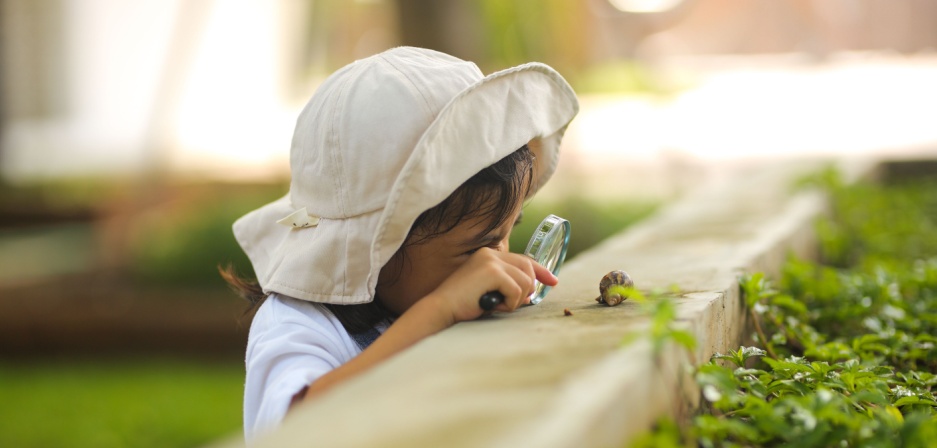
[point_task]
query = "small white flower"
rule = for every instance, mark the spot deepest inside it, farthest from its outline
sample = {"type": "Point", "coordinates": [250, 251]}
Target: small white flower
{"type": "Point", "coordinates": [711, 393]}
{"type": "Point", "coordinates": [892, 312]}
{"type": "Point", "coordinates": [901, 391]}
{"type": "Point", "coordinates": [806, 417]}
{"type": "Point", "coordinates": [872, 323]}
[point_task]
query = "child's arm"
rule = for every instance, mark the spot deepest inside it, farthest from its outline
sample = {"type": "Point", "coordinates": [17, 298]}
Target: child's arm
{"type": "Point", "coordinates": [455, 300]}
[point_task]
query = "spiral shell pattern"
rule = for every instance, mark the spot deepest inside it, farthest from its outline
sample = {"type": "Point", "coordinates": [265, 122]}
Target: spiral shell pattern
{"type": "Point", "coordinates": [614, 278]}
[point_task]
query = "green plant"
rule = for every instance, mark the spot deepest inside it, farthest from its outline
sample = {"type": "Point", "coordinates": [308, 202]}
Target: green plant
{"type": "Point", "coordinates": [850, 356]}
{"type": "Point", "coordinates": [662, 313]}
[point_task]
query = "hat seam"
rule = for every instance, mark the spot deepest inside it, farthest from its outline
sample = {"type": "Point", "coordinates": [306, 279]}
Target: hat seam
{"type": "Point", "coordinates": [336, 148]}
{"type": "Point", "coordinates": [413, 84]}
{"type": "Point", "coordinates": [345, 270]}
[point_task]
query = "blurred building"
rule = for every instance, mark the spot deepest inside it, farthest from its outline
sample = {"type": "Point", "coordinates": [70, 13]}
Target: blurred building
{"type": "Point", "coordinates": [212, 87]}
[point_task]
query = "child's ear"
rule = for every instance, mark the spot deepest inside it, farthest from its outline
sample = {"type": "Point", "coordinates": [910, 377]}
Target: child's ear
{"type": "Point", "coordinates": [535, 146]}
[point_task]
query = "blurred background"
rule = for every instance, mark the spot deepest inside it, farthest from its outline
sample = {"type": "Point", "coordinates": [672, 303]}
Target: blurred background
{"type": "Point", "coordinates": [133, 133]}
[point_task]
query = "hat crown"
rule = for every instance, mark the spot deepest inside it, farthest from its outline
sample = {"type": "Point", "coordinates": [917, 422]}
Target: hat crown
{"type": "Point", "coordinates": [357, 131]}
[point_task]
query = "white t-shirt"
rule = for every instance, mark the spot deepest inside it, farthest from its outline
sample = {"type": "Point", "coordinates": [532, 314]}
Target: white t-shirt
{"type": "Point", "coordinates": [291, 343]}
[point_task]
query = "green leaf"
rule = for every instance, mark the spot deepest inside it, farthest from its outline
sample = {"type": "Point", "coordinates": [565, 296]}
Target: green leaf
{"type": "Point", "coordinates": [905, 401]}
{"type": "Point", "coordinates": [684, 338]}
{"type": "Point", "coordinates": [783, 387]}
{"type": "Point", "coordinates": [777, 365]}
{"type": "Point", "coordinates": [630, 338]}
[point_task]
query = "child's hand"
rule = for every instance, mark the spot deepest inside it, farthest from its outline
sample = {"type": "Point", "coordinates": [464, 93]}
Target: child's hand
{"type": "Point", "coordinates": [490, 270]}
{"type": "Point", "coordinates": [454, 300]}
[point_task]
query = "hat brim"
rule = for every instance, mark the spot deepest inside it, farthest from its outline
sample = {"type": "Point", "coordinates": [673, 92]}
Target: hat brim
{"type": "Point", "coordinates": [287, 260]}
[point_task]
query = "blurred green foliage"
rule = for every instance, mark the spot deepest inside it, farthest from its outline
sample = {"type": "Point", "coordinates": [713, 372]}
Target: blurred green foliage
{"type": "Point", "coordinates": [556, 32]}
{"type": "Point", "coordinates": [118, 403]}
{"type": "Point", "coordinates": [184, 243]}
{"type": "Point", "coordinates": [621, 76]}
{"type": "Point", "coordinates": [591, 220]}
{"type": "Point", "coordinates": [520, 31]}
{"type": "Point", "coordinates": [494, 34]}
{"type": "Point", "coordinates": [65, 193]}
{"type": "Point", "coordinates": [871, 224]}
{"type": "Point", "coordinates": [551, 31]}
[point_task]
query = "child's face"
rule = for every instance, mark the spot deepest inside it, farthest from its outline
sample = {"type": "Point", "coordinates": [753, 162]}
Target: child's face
{"type": "Point", "coordinates": [425, 266]}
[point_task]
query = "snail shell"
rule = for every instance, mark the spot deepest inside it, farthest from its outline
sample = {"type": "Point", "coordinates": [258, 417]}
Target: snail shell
{"type": "Point", "coordinates": [614, 278]}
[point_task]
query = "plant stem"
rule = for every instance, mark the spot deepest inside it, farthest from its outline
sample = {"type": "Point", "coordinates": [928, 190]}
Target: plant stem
{"type": "Point", "coordinates": [761, 334]}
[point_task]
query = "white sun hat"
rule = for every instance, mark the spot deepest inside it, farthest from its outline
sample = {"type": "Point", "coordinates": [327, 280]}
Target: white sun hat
{"type": "Point", "coordinates": [381, 141]}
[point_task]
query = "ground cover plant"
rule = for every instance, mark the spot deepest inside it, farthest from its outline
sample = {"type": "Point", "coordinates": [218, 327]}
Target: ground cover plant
{"type": "Point", "coordinates": [847, 350]}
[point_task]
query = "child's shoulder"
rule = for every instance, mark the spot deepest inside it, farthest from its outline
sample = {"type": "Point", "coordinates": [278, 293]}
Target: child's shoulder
{"type": "Point", "coordinates": [285, 320]}
{"type": "Point", "coordinates": [279, 310]}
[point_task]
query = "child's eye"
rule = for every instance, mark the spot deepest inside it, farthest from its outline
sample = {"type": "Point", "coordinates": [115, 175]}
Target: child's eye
{"type": "Point", "coordinates": [494, 246]}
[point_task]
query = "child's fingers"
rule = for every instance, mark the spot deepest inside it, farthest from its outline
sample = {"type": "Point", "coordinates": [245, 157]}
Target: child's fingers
{"type": "Point", "coordinates": [533, 269]}
{"type": "Point", "coordinates": [517, 286]}
{"type": "Point", "coordinates": [513, 295]}
{"type": "Point", "coordinates": [512, 275]}
{"type": "Point", "coordinates": [544, 275]}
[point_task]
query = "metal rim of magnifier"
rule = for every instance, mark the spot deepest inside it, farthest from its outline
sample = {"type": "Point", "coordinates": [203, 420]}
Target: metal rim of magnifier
{"type": "Point", "coordinates": [548, 247]}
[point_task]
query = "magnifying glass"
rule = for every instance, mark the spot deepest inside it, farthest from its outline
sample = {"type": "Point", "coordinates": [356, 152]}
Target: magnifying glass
{"type": "Point", "coordinates": [547, 246]}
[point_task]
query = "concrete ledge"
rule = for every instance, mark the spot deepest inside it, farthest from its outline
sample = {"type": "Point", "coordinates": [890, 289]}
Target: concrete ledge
{"type": "Point", "coordinates": [539, 378]}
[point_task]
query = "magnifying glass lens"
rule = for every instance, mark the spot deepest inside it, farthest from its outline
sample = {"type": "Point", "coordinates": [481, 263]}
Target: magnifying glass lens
{"type": "Point", "coordinates": [547, 246]}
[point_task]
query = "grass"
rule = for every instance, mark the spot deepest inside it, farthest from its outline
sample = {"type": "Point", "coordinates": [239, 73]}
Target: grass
{"type": "Point", "coordinates": [118, 402]}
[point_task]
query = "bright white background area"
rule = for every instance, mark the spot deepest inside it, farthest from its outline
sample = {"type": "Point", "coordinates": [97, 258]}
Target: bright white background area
{"type": "Point", "coordinates": [768, 107]}
{"type": "Point", "coordinates": [197, 90]}
{"type": "Point", "coordinates": [208, 97]}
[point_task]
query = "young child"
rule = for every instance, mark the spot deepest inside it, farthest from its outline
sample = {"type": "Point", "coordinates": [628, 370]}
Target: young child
{"type": "Point", "coordinates": [409, 169]}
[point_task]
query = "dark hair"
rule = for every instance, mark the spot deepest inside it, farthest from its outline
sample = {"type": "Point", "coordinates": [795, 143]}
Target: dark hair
{"type": "Point", "coordinates": [491, 195]}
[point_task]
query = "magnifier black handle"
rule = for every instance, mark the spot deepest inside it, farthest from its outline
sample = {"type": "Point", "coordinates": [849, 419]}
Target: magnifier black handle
{"type": "Point", "coordinates": [490, 300]}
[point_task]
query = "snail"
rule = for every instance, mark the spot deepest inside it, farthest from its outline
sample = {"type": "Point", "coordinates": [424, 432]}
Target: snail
{"type": "Point", "coordinates": [614, 278]}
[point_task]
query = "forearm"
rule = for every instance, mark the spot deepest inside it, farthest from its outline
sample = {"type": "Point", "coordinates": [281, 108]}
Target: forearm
{"type": "Point", "coordinates": [455, 300]}
{"type": "Point", "coordinates": [423, 319]}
